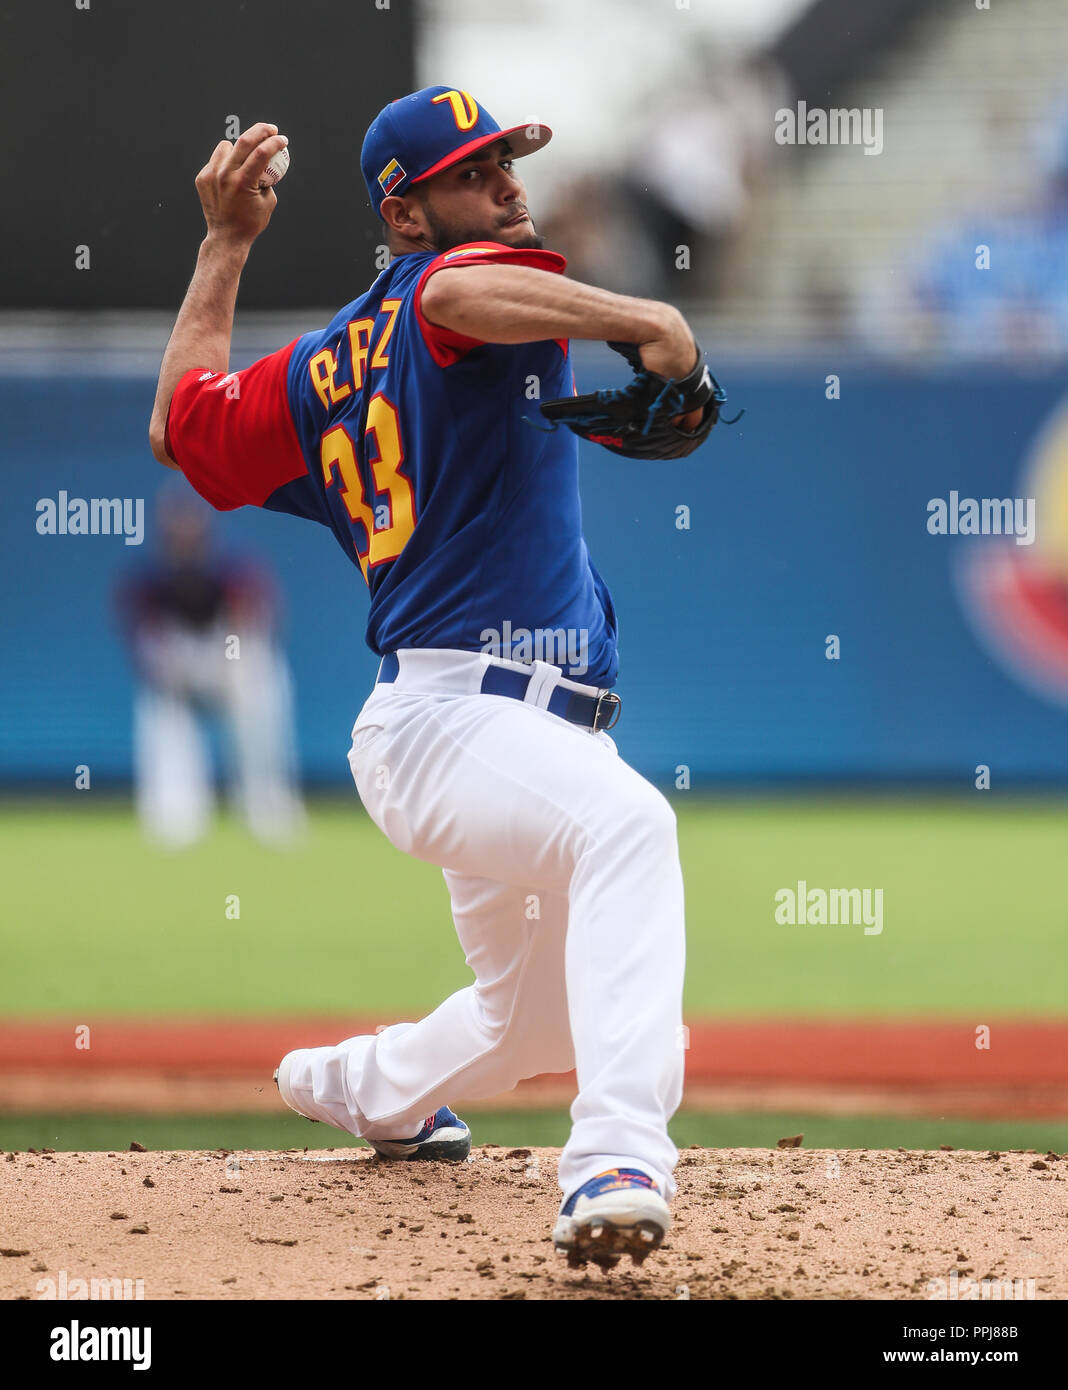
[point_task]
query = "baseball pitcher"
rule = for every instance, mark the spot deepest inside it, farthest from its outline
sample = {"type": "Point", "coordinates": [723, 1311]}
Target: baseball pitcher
{"type": "Point", "coordinates": [411, 428]}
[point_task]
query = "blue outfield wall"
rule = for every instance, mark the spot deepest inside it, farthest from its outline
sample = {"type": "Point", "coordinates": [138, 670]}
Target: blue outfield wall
{"type": "Point", "coordinates": [808, 518]}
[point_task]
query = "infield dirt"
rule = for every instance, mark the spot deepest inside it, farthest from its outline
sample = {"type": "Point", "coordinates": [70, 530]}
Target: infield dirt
{"type": "Point", "coordinates": [748, 1223]}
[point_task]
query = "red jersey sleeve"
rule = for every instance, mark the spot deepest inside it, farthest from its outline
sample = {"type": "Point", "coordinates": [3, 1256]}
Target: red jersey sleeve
{"type": "Point", "coordinates": [233, 435]}
{"type": "Point", "coordinates": [447, 346]}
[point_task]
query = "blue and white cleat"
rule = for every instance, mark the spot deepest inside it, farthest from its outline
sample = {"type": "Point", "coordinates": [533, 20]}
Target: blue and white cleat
{"type": "Point", "coordinates": [617, 1213]}
{"type": "Point", "coordinates": [444, 1136]}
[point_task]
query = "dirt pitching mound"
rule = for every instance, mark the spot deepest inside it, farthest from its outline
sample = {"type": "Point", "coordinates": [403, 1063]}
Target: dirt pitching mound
{"type": "Point", "coordinates": [749, 1223]}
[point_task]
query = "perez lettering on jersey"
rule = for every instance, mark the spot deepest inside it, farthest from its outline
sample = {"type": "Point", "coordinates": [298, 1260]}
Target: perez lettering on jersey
{"type": "Point", "coordinates": [323, 367]}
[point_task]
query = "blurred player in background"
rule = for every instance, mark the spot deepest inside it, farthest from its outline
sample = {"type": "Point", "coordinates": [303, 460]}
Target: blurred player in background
{"type": "Point", "coordinates": [202, 632]}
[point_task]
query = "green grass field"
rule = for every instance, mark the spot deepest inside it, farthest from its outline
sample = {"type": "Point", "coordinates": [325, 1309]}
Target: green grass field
{"type": "Point", "coordinates": [96, 923]}
{"type": "Point", "coordinates": [79, 1132]}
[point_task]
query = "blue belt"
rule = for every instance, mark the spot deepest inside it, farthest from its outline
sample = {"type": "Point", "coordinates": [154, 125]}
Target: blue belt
{"type": "Point", "coordinates": [591, 711]}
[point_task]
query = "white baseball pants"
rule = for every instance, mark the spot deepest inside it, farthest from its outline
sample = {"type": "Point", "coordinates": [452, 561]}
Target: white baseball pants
{"type": "Point", "coordinates": [563, 869]}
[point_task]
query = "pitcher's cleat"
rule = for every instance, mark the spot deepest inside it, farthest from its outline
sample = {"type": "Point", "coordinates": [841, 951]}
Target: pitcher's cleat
{"type": "Point", "coordinates": [444, 1137]}
{"type": "Point", "coordinates": [617, 1213]}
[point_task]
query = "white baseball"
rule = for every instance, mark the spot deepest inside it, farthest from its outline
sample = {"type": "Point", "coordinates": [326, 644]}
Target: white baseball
{"type": "Point", "coordinates": [276, 169]}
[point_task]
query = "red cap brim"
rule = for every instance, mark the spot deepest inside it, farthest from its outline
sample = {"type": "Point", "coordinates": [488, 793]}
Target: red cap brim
{"type": "Point", "coordinates": [522, 140]}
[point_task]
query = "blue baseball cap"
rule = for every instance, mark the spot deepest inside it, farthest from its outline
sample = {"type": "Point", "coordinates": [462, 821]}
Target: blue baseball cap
{"type": "Point", "coordinates": [421, 134]}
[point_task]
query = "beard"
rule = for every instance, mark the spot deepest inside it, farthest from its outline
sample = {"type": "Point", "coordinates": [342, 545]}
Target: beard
{"type": "Point", "coordinates": [446, 237]}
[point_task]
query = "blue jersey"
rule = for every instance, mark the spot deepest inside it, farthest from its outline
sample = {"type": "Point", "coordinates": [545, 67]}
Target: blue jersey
{"type": "Point", "coordinates": [409, 441]}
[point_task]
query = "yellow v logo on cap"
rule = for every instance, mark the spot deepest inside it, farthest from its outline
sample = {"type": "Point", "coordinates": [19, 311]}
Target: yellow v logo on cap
{"type": "Point", "coordinates": [464, 107]}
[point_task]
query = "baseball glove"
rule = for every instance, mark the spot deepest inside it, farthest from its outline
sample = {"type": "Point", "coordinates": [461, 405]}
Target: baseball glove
{"type": "Point", "coordinates": [637, 421]}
